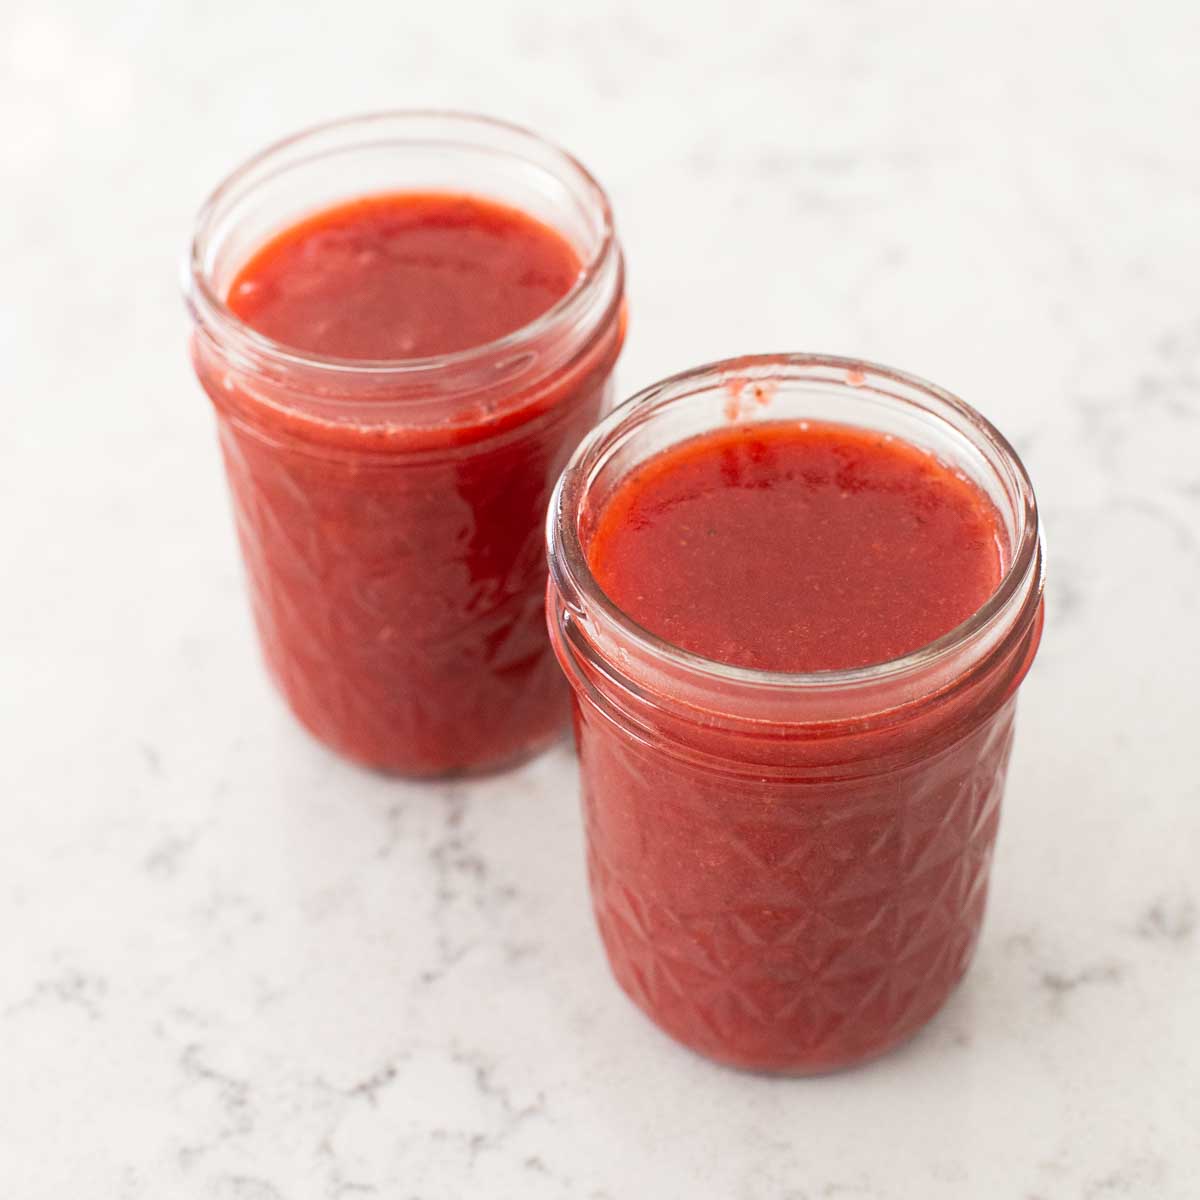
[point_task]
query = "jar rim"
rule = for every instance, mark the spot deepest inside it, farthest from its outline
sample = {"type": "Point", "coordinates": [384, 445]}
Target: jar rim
{"type": "Point", "coordinates": [210, 308]}
{"type": "Point", "coordinates": [572, 577]}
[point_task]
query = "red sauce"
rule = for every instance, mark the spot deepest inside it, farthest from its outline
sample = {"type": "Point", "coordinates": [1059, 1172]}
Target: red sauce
{"type": "Point", "coordinates": [404, 276]}
{"type": "Point", "coordinates": [789, 893]}
{"type": "Point", "coordinates": [395, 565]}
{"type": "Point", "coordinates": [797, 548]}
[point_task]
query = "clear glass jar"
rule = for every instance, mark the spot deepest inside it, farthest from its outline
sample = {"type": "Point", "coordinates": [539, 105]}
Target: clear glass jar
{"type": "Point", "coordinates": [390, 512]}
{"type": "Point", "coordinates": [789, 871]}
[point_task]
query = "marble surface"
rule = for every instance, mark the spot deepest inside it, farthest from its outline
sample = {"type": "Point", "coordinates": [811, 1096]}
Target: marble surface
{"type": "Point", "coordinates": [236, 968]}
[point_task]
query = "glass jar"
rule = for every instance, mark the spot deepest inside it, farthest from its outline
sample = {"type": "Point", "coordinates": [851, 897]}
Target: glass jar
{"type": "Point", "coordinates": [789, 871]}
{"type": "Point", "coordinates": [390, 512]}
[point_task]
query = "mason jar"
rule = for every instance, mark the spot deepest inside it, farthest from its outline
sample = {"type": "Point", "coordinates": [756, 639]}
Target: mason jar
{"type": "Point", "coordinates": [789, 871]}
{"type": "Point", "coordinates": [390, 511]}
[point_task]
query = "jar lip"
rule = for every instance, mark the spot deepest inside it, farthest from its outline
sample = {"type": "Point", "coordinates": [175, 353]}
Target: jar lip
{"type": "Point", "coordinates": [572, 576]}
{"type": "Point", "coordinates": [209, 306]}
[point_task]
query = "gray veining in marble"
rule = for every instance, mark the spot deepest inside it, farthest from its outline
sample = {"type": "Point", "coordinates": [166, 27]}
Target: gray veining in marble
{"type": "Point", "coordinates": [236, 968]}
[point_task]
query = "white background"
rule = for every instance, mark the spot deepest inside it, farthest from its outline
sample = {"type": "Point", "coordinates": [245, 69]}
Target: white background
{"type": "Point", "coordinates": [233, 967]}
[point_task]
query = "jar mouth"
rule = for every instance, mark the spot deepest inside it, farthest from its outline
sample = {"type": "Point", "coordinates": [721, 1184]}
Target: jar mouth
{"type": "Point", "coordinates": [416, 127]}
{"type": "Point", "coordinates": [590, 607]}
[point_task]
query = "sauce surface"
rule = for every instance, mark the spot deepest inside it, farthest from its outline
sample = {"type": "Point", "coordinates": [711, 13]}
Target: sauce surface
{"type": "Point", "coordinates": [404, 275]}
{"type": "Point", "coordinates": [797, 546]}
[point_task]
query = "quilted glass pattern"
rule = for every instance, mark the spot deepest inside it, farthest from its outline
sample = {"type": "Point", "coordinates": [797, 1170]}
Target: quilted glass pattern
{"type": "Point", "coordinates": [399, 600]}
{"type": "Point", "coordinates": [781, 925]}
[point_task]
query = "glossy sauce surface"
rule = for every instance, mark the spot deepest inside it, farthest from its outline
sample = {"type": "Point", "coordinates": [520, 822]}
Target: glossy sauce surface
{"type": "Point", "coordinates": [404, 275]}
{"type": "Point", "coordinates": [797, 546]}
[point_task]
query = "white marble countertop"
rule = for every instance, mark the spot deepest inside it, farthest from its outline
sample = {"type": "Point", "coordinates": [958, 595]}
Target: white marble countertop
{"type": "Point", "coordinates": [236, 968]}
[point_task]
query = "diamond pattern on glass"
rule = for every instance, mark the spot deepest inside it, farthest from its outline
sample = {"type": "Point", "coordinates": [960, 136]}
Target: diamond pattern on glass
{"type": "Point", "coordinates": [400, 608]}
{"type": "Point", "coordinates": [795, 926]}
